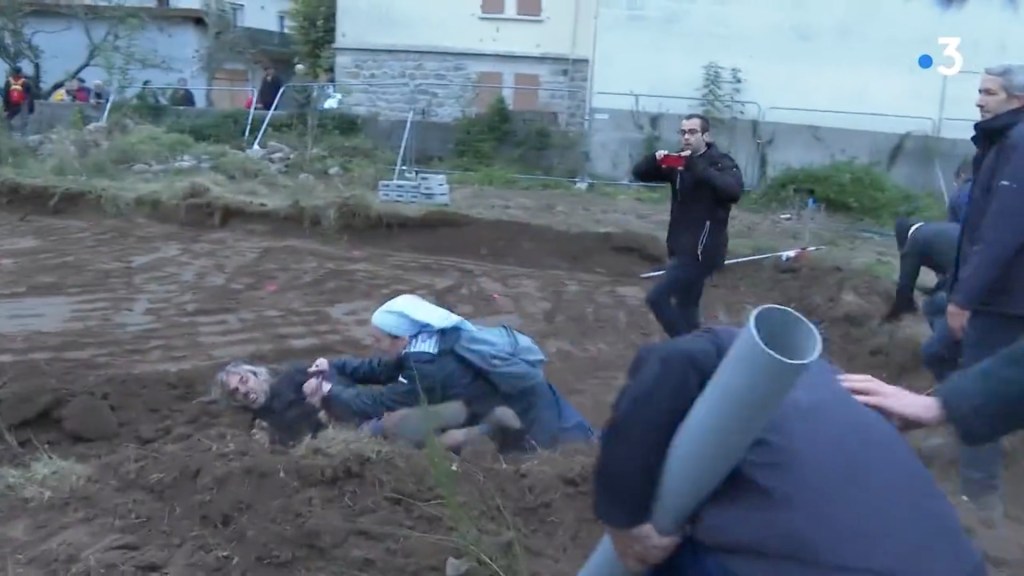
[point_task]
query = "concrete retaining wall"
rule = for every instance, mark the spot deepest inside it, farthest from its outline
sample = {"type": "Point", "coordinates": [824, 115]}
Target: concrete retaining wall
{"type": "Point", "coordinates": [618, 137]}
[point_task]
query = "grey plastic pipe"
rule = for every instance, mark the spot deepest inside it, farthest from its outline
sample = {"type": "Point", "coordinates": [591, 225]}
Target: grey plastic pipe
{"type": "Point", "coordinates": [765, 360]}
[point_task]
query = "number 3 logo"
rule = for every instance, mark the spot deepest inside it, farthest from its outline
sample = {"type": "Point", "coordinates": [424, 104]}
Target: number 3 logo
{"type": "Point", "coordinates": [952, 45]}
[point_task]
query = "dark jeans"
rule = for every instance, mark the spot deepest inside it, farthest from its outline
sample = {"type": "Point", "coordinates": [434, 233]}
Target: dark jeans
{"type": "Point", "coordinates": [941, 352]}
{"type": "Point", "coordinates": [675, 299]}
{"type": "Point", "coordinates": [692, 559]}
{"type": "Point", "coordinates": [981, 466]}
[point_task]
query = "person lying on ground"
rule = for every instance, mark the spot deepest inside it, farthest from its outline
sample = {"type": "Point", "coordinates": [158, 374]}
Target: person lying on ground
{"type": "Point", "coordinates": [432, 355]}
{"type": "Point", "coordinates": [274, 397]}
{"type": "Point", "coordinates": [983, 402]}
{"type": "Point", "coordinates": [281, 410]}
{"type": "Point", "coordinates": [828, 488]}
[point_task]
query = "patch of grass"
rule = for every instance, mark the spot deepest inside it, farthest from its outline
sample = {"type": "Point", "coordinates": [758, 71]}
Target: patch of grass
{"type": "Point", "coordinates": [337, 441]}
{"type": "Point", "coordinates": [44, 477]}
{"type": "Point", "coordinates": [134, 168]}
{"type": "Point", "coordinates": [848, 188]}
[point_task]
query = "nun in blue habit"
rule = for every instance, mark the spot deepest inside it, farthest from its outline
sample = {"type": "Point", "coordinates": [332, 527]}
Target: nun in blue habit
{"type": "Point", "coordinates": [436, 371]}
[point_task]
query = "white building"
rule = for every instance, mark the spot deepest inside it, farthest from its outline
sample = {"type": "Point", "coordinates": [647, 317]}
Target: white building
{"type": "Point", "coordinates": [176, 40]}
{"type": "Point", "coordinates": [841, 63]}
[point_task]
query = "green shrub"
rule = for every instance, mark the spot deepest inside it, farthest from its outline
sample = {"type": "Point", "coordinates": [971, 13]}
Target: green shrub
{"type": "Point", "coordinates": [228, 126]}
{"type": "Point", "coordinates": [850, 188]}
{"type": "Point", "coordinates": [148, 144]}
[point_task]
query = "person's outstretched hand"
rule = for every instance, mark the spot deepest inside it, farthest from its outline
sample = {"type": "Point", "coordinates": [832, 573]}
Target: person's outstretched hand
{"type": "Point", "coordinates": [315, 389]}
{"type": "Point", "coordinates": [320, 366]}
{"type": "Point", "coordinates": [642, 548]}
{"type": "Point", "coordinates": [906, 409]}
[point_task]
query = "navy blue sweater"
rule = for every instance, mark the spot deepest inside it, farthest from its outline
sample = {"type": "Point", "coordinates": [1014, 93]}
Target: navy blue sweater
{"type": "Point", "coordinates": [830, 488]}
{"type": "Point", "coordinates": [989, 272]}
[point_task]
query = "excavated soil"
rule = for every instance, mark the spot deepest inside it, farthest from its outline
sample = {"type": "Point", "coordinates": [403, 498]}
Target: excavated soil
{"type": "Point", "coordinates": [112, 328]}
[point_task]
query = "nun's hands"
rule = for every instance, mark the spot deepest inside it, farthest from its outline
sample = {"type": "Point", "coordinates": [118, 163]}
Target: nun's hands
{"type": "Point", "coordinates": [320, 366]}
{"type": "Point", "coordinates": [315, 389]}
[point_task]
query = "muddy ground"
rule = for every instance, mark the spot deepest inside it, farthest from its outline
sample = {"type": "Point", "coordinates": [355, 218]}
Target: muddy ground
{"type": "Point", "coordinates": [113, 327]}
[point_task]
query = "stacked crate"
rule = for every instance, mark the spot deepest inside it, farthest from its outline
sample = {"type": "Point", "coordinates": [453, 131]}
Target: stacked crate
{"type": "Point", "coordinates": [425, 189]}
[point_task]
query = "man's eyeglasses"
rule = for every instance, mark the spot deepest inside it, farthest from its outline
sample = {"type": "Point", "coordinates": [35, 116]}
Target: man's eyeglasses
{"type": "Point", "coordinates": [690, 132]}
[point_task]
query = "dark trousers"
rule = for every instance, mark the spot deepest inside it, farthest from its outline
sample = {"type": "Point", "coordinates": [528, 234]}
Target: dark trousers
{"type": "Point", "coordinates": [691, 559]}
{"type": "Point", "coordinates": [675, 299]}
{"type": "Point", "coordinates": [941, 352]}
{"type": "Point", "coordinates": [981, 466]}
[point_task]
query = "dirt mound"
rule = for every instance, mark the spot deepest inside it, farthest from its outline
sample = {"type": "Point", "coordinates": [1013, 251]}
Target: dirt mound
{"type": "Point", "coordinates": [218, 502]}
{"type": "Point", "coordinates": [847, 306]}
{"type": "Point", "coordinates": [435, 232]}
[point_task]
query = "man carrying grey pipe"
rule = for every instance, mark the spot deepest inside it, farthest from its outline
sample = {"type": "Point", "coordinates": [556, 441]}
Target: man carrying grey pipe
{"type": "Point", "coordinates": [829, 488]}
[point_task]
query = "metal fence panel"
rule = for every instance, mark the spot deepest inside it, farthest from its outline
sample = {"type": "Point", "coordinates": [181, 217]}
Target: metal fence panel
{"type": "Point", "coordinates": [323, 98]}
{"type": "Point", "coordinates": [120, 94]}
{"type": "Point", "coordinates": [542, 137]}
{"type": "Point", "coordinates": [957, 110]}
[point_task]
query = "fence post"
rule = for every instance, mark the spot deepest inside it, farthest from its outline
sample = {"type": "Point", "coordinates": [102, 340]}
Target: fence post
{"type": "Point", "coordinates": [266, 119]}
{"type": "Point", "coordinates": [251, 115]}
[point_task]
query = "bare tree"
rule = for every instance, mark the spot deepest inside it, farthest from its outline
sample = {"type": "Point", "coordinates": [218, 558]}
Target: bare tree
{"type": "Point", "coordinates": [112, 30]}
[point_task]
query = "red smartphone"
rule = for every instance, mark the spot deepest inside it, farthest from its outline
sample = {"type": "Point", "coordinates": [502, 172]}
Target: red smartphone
{"type": "Point", "coordinates": [672, 161]}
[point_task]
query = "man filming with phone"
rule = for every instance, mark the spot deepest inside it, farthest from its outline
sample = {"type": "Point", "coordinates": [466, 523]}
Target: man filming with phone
{"type": "Point", "coordinates": [705, 184]}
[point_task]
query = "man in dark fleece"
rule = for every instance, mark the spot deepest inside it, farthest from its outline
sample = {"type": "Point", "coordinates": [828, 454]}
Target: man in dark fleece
{"type": "Point", "coordinates": [986, 295]}
{"type": "Point", "coordinates": [703, 193]}
{"type": "Point", "coordinates": [274, 396]}
{"type": "Point", "coordinates": [828, 489]}
{"type": "Point", "coordinates": [983, 403]}
{"type": "Point", "coordinates": [932, 245]}
{"type": "Point", "coordinates": [270, 86]}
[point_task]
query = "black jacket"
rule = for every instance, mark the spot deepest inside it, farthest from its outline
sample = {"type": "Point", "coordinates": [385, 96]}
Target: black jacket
{"type": "Point", "coordinates": [703, 194]}
{"type": "Point", "coordinates": [182, 97]}
{"type": "Point", "coordinates": [289, 418]}
{"type": "Point", "coordinates": [986, 401]}
{"type": "Point", "coordinates": [989, 273]}
{"type": "Point", "coordinates": [829, 488]}
{"type": "Point", "coordinates": [933, 246]}
{"type": "Point", "coordinates": [268, 91]}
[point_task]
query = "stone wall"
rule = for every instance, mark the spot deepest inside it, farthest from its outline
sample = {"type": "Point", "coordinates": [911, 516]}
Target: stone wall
{"type": "Point", "coordinates": [443, 87]}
